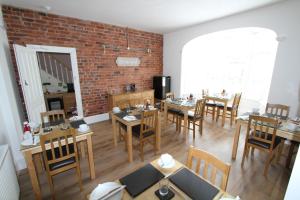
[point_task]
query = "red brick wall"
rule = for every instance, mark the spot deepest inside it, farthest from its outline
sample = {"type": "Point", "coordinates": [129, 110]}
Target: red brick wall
{"type": "Point", "coordinates": [98, 72]}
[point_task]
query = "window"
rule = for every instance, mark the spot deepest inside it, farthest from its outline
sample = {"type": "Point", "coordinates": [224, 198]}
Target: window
{"type": "Point", "coordinates": [237, 60]}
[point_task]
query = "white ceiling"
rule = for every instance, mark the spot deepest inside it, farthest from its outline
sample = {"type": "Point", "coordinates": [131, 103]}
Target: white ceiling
{"type": "Point", "coordinates": [160, 16]}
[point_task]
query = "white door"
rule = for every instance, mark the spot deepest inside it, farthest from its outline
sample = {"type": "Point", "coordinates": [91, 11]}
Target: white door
{"type": "Point", "coordinates": [31, 82]}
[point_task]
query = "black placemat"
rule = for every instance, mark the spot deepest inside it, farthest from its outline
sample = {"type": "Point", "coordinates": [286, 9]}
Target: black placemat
{"type": "Point", "coordinates": [123, 114]}
{"type": "Point", "coordinates": [77, 123]}
{"type": "Point", "coordinates": [169, 196]}
{"type": "Point", "coordinates": [141, 179]}
{"type": "Point", "coordinates": [193, 186]}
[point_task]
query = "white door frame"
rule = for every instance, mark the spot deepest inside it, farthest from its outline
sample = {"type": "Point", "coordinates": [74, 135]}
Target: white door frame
{"type": "Point", "coordinates": [73, 55]}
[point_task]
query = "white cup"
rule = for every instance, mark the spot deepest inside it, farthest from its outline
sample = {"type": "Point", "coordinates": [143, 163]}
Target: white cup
{"type": "Point", "coordinates": [83, 127]}
{"type": "Point", "coordinates": [27, 136]}
{"type": "Point", "coordinates": [116, 110]}
{"type": "Point", "coordinates": [166, 158]}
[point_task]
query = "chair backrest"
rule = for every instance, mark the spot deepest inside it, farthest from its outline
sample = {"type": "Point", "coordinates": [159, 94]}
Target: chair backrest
{"type": "Point", "coordinates": [53, 115]}
{"type": "Point", "coordinates": [277, 110]}
{"type": "Point", "coordinates": [149, 120]}
{"type": "Point", "coordinates": [170, 95]}
{"type": "Point", "coordinates": [123, 104]}
{"type": "Point", "coordinates": [205, 92]}
{"type": "Point", "coordinates": [60, 148]}
{"type": "Point", "coordinates": [199, 109]}
{"type": "Point", "coordinates": [236, 101]}
{"type": "Point", "coordinates": [262, 129]}
{"type": "Point", "coordinates": [210, 161]}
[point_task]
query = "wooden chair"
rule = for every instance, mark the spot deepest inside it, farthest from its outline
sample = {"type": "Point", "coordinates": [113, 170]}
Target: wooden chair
{"type": "Point", "coordinates": [54, 117]}
{"type": "Point", "coordinates": [210, 106]}
{"type": "Point", "coordinates": [195, 116]}
{"type": "Point", "coordinates": [277, 110]}
{"type": "Point", "coordinates": [209, 161]}
{"type": "Point", "coordinates": [62, 155]}
{"type": "Point", "coordinates": [172, 111]}
{"type": "Point", "coordinates": [146, 131]}
{"type": "Point", "coordinates": [232, 110]}
{"type": "Point", "coordinates": [261, 135]}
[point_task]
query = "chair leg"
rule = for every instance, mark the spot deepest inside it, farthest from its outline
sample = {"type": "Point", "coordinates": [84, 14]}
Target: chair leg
{"type": "Point", "coordinates": [78, 172]}
{"type": "Point", "coordinates": [194, 128]}
{"type": "Point", "coordinates": [201, 126]}
{"type": "Point", "coordinates": [231, 118]}
{"type": "Point", "coordinates": [218, 113]}
{"type": "Point", "coordinates": [51, 186]}
{"type": "Point", "coordinates": [252, 151]}
{"type": "Point", "coordinates": [244, 154]}
{"type": "Point", "coordinates": [213, 113]}
{"type": "Point", "coordinates": [269, 160]}
{"type": "Point", "coordinates": [142, 151]}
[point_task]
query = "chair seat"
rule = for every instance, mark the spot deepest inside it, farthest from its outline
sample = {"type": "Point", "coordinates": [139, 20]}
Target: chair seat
{"type": "Point", "coordinates": [62, 163]}
{"type": "Point", "coordinates": [265, 145]}
{"type": "Point", "coordinates": [221, 106]}
{"type": "Point", "coordinates": [173, 111]}
{"type": "Point", "coordinates": [136, 131]}
{"type": "Point", "coordinates": [211, 104]}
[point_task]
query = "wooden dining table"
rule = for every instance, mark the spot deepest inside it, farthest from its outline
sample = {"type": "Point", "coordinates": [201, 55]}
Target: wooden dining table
{"type": "Point", "coordinates": [219, 99]}
{"type": "Point", "coordinates": [117, 118]}
{"type": "Point", "coordinates": [183, 106]}
{"type": "Point", "coordinates": [149, 194]}
{"type": "Point", "coordinates": [30, 151]}
{"type": "Point", "coordinates": [282, 131]}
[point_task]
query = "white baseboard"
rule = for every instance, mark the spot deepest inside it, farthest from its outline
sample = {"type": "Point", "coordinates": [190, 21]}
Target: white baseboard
{"type": "Point", "coordinates": [96, 118]}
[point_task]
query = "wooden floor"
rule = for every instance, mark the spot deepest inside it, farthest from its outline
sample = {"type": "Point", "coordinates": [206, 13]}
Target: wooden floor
{"type": "Point", "coordinates": [111, 164]}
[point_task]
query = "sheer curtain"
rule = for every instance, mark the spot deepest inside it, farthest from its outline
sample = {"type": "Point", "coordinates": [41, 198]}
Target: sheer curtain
{"type": "Point", "coordinates": [237, 60]}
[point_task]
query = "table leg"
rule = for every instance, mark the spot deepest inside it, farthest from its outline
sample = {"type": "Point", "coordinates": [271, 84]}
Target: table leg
{"type": "Point", "coordinates": [290, 155]}
{"type": "Point", "coordinates": [91, 156]}
{"type": "Point", "coordinates": [82, 149]}
{"type": "Point", "coordinates": [165, 115]}
{"type": "Point", "coordinates": [280, 148]}
{"type": "Point", "coordinates": [158, 133]}
{"type": "Point", "coordinates": [129, 143]}
{"type": "Point", "coordinates": [185, 122]}
{"type": "Point", "coordinates": [236, 140]}
{"type": "Point", "coordinates": [114, 125]}
{"type": "Point", "coordinates": [224, 114]}
{"type": "Point", "coordinates": [32, 174]}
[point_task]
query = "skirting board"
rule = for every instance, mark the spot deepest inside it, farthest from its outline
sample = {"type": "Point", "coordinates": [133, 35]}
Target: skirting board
{"type": "Point", "coordinates": [96, 118]}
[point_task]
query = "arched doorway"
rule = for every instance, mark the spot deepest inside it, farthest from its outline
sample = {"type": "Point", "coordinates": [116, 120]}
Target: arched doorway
{"type": "Point", "coordinates": [238, 60]}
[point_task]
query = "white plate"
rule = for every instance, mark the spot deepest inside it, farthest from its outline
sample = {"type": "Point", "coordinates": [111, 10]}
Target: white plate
{"type": "Point", "coordinates": [167, 166]}
{"type": "Point", "coordinates": [27, 142]}
{"type": "Point", "coordinates": [129, 118]}
{"type": "Point", "coordinates": [83, 131]}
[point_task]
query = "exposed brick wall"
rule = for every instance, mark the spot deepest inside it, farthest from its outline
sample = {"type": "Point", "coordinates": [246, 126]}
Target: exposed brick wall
{"type": "Point", "coordinates": [98, 72]}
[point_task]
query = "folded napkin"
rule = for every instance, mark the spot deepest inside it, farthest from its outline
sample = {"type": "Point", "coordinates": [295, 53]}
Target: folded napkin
{"type": "Point", "coordinates": [129, 118]}
{"type": "Point", "coordinates": [108, 190]}
{"type": "Point", "coordinates": [230, 198]}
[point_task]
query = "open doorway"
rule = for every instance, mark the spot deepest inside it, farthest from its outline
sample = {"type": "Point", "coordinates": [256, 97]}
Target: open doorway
{"type": "Point", "coordinates": [238, 60]}
{"type": "Point", "coordinates": [57, 82]}
{"type": "Point", "coordinates": [46, 84]}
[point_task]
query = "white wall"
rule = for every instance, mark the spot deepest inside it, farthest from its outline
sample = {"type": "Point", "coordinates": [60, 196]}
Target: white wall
{"type": "Point", "coordinates": [11, 116]}
{"type": "Point", "coordinates": [282, 17]}
{"type": "Point", "coordinates": [292, 191]}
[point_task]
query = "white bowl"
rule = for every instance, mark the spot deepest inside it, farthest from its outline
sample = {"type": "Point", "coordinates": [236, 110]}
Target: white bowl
{"type": "Point", "coordinates": [116, 110]}
{"type": "Point", "coordinates": [166, 161]}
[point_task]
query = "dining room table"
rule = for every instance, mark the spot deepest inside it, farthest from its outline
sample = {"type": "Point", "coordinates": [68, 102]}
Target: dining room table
{"type": "Point", "coordinates": [118, 118]}
{"type": "Point", "coordinates": [149, 176]}
{"type": "Point", "coordinates": [219, 99]}
{"type": "Point", "coordinates": [283, 131]}
{"type": "Point", "coordinates": [182, 105]}
{"type": "Point", "coordinates": [29, 151]}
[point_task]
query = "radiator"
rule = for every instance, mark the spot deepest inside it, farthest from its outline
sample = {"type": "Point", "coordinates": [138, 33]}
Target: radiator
{"type": "Point", "coordinates": [9, 186]}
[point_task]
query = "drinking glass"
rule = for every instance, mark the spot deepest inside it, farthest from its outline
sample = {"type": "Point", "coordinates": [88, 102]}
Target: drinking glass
{"type": "Point", "coordinates": [164, 187]}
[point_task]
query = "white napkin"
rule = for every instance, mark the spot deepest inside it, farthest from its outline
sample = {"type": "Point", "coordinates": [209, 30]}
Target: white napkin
{"type": "Point", "coordinates": [104, 189]}
{"type": "Point", "coordinates": [129, 118]}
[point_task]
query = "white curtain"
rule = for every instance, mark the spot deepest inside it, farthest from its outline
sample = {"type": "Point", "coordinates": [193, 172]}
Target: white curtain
{"type": "Point", "coordinates": [237, 60]}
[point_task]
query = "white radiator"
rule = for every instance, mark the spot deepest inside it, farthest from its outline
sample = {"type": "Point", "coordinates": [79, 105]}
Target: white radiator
{"type": "Point", "coordinates": [9, 186]}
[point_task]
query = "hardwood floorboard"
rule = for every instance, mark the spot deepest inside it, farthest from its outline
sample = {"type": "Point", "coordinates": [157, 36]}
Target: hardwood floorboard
{"type": "Point", "coordinates": [111, 164]}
